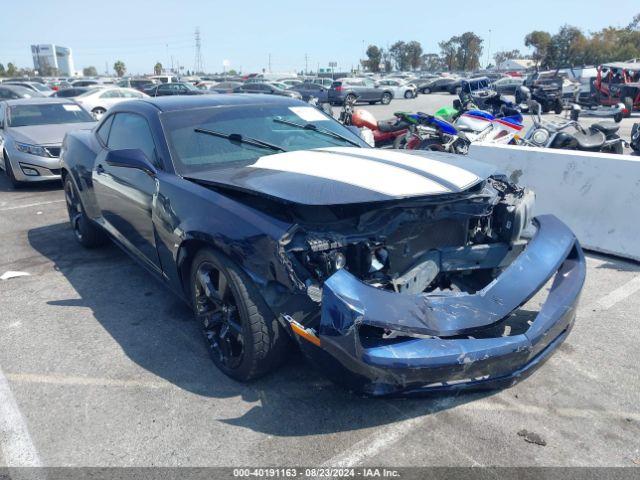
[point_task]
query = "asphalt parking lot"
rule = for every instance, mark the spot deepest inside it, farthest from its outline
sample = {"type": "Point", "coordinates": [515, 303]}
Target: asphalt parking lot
{"type": "Point", "coordinates": [101, 366]}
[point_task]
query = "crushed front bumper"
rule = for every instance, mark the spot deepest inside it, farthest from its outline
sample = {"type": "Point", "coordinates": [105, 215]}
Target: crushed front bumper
{"type": "Point", "coordinates": [454, 350]}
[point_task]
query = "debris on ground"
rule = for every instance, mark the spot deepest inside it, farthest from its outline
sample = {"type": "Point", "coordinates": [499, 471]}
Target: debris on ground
{"type": "Point", "coordinates": [532, 437]}
{"type": "Point", "coordinates": [11, 274]}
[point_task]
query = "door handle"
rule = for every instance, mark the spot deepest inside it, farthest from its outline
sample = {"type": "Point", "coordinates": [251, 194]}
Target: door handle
{"type": "Point", "coordinates": [99, 169]}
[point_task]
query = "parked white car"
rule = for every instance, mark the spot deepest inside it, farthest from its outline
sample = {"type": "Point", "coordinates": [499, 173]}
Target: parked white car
{"type": "Point", "coordinates": [399, 87]}
{"type": "Point", "coordinates": [100, 100]}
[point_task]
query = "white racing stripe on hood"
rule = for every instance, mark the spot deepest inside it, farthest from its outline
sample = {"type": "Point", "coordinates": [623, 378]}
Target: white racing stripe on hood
{"type": "Point", "coordinates": [450, 174]}
{"type": "Point", "coordinates": [361, 172]}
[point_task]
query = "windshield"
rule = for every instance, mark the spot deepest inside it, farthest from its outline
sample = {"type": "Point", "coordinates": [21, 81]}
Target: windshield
{"type": "Point", "coordinates": [47, 114]}
{"type": "Point", "coordinates": [193, 151]}
{"type": "Point", "coordinates": [40, 87]}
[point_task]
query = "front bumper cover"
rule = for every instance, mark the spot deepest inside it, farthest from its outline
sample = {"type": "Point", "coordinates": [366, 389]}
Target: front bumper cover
{"type": "Point", "coordinates": [453, 358]}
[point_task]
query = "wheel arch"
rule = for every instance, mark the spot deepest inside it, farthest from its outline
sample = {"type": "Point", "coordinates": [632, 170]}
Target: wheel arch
{"type": "Point", "coordinates": [272, 291]}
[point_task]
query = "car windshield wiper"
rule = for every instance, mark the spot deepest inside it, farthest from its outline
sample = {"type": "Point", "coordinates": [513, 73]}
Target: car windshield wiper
{"type": "Point", "coordinates": [315, 128]}
{"type": "Point", "coordinates": [236, 137]}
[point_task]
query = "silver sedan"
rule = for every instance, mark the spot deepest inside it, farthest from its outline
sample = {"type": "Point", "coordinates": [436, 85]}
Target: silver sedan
{"type": "Point", "coordinates": [31, 134]}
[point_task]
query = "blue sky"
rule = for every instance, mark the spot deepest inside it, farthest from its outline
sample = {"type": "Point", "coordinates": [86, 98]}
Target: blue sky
{"type": "Point", "coordinates": [245, 32]}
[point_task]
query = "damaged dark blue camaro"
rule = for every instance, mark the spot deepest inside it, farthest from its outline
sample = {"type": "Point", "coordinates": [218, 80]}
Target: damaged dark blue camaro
{"type": "Point", "coordinates": [394, 272]}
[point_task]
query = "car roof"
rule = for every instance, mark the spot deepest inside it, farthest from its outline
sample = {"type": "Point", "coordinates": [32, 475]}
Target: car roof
{"type": "Point", "coordinates": [188, 102]}
{"type": "Point", "coordinates": [623, 65]}
{"type": "Point", "coordinates": [38, 101]}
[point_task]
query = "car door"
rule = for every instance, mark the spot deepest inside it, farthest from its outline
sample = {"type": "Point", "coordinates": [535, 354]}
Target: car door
{"type": "Point", "coordinates": [109, 98]}
{"type": "Point", "coordinates": [371, 92]}
{"type": "Point", "coordinates": [124, 195]}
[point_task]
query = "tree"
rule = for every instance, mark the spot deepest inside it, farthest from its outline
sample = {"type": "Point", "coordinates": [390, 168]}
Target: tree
{"type": "Point", "coordinates": [157, 69]}
{"type": "Point", "coordinates": [413, 51]}
{"type": "Point", "coordinates": [448, 52]}
{"type": "Point", "coordinates": [90, 71]}
{"type": "Point", "coordinates": [539, 41]}
{"type": "Point", "coordinates": [11, 70]}
{"type": "Point", "coordinates": [469, 51]}
{"type": "Point", "coordinates": [374, 58]}
{"type": "Point", "coordinates": [3, 72]}
{"type": "Point", "coordinates": [398, 52]}
{"type": "Point", "coordinates": [432, 62]}
{"type": "Point", "coordinates": [503, 56]}
{"type": "Point", "coordinates": [567, 47]}
{"type": "Point", "coordinates": [233, 72]}
{"type": "Point", "coordinates": [119, 68]}
{"type": "Point", "coordinates": [462, 52]}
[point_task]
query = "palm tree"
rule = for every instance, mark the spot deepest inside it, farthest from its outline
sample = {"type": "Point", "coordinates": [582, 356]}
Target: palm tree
{"type": "Point", "coordinates": [120, 68]}
{"type": "Point", "coordinates": [157, 69]}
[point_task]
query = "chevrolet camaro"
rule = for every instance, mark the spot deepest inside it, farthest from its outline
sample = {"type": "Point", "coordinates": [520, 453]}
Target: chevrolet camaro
{"type": "Point", "coordinates": [394, 272]}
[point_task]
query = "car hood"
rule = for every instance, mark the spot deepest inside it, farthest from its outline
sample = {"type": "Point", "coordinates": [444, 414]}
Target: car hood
{"type": "Point", "coordinates": [47, 134]}
{"type": "Point", "coordinates": [334, 176]}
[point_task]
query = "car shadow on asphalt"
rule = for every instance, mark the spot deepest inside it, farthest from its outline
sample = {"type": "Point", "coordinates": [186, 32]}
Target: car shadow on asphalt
{"type": "Point", "coordinates": [157, 331]}
{"type": "Point", "coordinates": [5, 185]}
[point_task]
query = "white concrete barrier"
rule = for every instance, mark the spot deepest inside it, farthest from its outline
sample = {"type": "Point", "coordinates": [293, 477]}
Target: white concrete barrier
{"type": "Point", "coordinates": [597, 195]}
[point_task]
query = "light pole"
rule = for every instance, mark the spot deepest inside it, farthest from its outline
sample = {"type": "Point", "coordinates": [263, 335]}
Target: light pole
{"type": "Point", "coordinates": [488, 49]}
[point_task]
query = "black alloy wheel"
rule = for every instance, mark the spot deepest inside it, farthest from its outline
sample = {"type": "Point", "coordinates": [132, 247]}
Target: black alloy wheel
{"type": "Point", "coordinates": [218, 310]}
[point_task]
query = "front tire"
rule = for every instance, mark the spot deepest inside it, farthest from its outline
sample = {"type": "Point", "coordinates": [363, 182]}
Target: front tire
{"type": "Point", "coordinates": [408, 94]}
{"type": "Point", "coordinates": [87, 233]}
{"type": "Point", "coordinates": [9, 171]}
{"type": "Point", "coordinates": [628, 106]}
{"type": "Point", "coordinates": [386, 98]}
{"type": "Point", "coordinates": [426, 91]}
{"type": "Point", "coordinates": [558, 108]}
{"type": "Point", "coordinates": [244, 338]}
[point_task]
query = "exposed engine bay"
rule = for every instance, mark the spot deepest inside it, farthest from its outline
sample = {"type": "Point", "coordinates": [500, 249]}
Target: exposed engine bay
{"type": "Point", "coordinates": [456, 243]}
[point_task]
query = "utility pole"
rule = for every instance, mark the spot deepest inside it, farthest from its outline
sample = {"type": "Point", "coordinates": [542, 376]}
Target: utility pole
{"type": "Point", "coordinates": [106, 67]}
{"type": "Point", "coordinates": [306, 63]}
{"type": "Point", "coordinates": [198, 61]}
{"type": "Point", "coordinates": [269, 63]}
{"type": "Point", "coordinates": [488, 50]}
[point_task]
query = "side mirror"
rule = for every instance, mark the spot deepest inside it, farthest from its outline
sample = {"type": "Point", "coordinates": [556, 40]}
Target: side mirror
{"type": "Point", "coordinates": [131, 158]}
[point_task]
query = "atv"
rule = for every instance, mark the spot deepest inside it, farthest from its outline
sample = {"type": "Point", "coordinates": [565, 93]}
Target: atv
{"type": "Point", "coordinates": [619, 83]}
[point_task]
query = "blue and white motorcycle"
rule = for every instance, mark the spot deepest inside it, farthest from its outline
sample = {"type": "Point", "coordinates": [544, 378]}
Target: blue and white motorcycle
{"type": "Point", "coordinates": [429, 132]}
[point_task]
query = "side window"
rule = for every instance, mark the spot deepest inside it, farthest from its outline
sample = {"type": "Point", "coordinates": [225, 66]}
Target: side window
{"type": "Point", "coordinates": [1, 113]}
{"type": "Point", "coordinates": [103, 131]}
{"type": "Point", "coordinates": [130, 130]}
{"type": "Point", "coordinates": [4, 94]}
{"type": "Point", "coordinates": [111, 94]}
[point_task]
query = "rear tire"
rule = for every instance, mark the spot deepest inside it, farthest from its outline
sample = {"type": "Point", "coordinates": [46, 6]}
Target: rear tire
{"type": "Point", "coordinates": [224, 297]}
{"type": "Point", "coordinates": [386, 98]}
{"type": "Point", "coordinates": [408, 94]}
{"type": "Point", "coordinates": [628, 105]}
{"type": "Point", "coordinates": [426, 90]}
{"type": "Point", "coordinates": [431, 144]}
{"type": "Point", "coordinates": [87, 233]}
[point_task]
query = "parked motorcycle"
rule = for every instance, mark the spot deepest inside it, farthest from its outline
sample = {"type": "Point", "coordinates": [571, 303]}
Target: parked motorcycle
{"type": "Point", "coordinates": [570, 135]}
{"type": "Point", "coordinates": [384, 132]}
{"type": "Point", "coordinates": [465, 126]}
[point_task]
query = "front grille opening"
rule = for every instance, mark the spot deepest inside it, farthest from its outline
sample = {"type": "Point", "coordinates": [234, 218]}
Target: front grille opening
{"type": "Point", "coordinates": [516, 323]}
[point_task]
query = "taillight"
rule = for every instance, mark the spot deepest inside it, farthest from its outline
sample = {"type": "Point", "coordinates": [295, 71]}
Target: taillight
{"type": "Point", "coordinates": [338, 88]}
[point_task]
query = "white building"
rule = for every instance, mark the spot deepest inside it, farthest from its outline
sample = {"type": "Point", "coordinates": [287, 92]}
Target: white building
{"type": "Point", "coordinates": [48, 56]}
{"type": "Point", "coordinates": [516, 65]}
